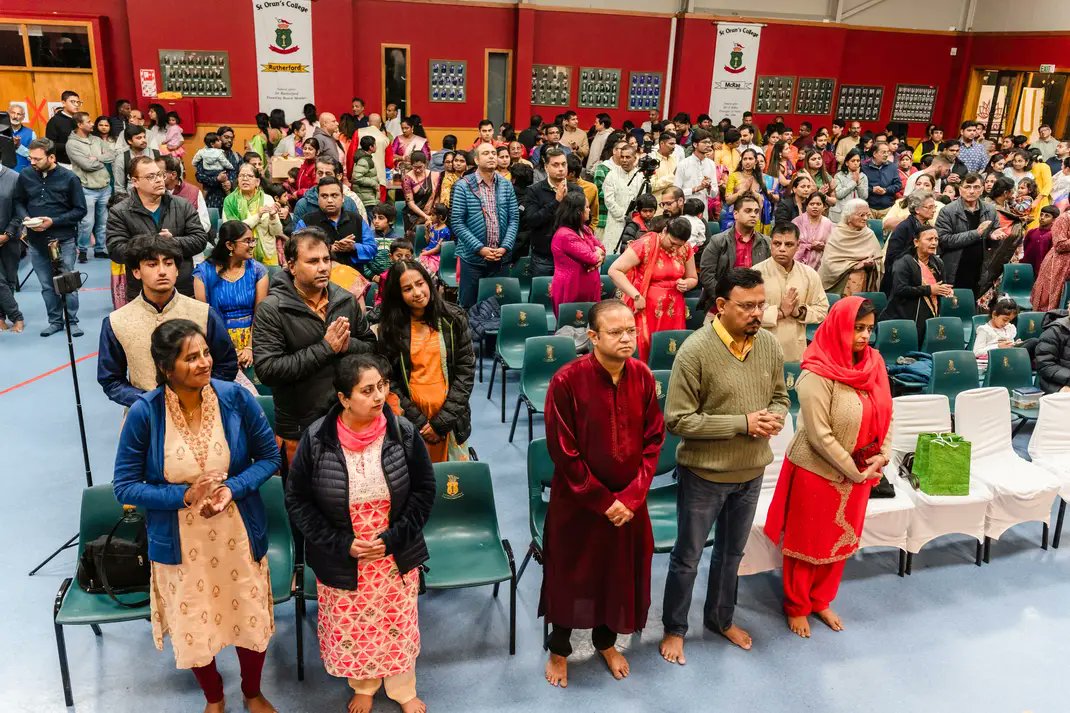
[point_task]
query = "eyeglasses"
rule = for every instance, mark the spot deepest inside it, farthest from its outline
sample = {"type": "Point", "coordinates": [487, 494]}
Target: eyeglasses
{"type": "Point", "coordinates": [156, 176]}
{"type": "Point", "coordinates": [618, 333]}
{"type": "Point", "coordinates": [666, 204]}
{"type": "Point", "coordinates": [246, 241]}
{"type": "Point", "coordinates": [750, 306]}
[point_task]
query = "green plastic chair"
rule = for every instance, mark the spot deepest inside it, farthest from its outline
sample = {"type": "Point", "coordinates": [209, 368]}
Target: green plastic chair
{"type": "Point", "coordinates": [507, 290]}
{"type": "Point", "coordinates": [877, 226]}
{"type": "Point", "coordinates": [1012, 369]}
{"type": "Point", "coordinates": [608, 262]}
{"type": "Point", "coordinates": [896, 337]}
{"type": "Point", "coordinates": [399, 221]}
{"type": "Point", "coordinates": [694, 317]}
{"type": "Point", "coordinates": [261, 389]}
{"type": "Point", "coordinates": [661, 500]}
{"type": "Point", "coordinates": [792, 369]}
{"type": "Point", "coordinates": [663, 347]}
{"type": "Point", "coordinates": [465, 546]}
{"type": "Point", "coordinates": [960, 305]}
{"type": "Point", "coordinates": [75, 607]}
{"type": "Point", "coordinates": [661, 384]}
{"type": "Point", "coordinates": [954, 371]}
{"type": "Point", "coordinates": [977, 321]}
{"type": "Point", "coordinates": [832, 297]}
{"type": "Point", "coordinates": [543, 356]}
{"type": "Point", "coordinates": [540, 475]}
{"type": "Point", "coordinates": [267, 403]}
{"type": "Point", "coordinates": [281, 560]}
{"type": "Point", "coordinates": [1017, 282]}
{"type": "Point", "coordinates": [879, 300]}
{"type": "Point", "coordinates": [213, 220]}
{"type": "Point", "coordinates": [419, 240]}
{"type": "Point", "coordinates": [573, 314]}
{"type": "Point", "coordinates": [519, 322]}
{"type": "Point", "coordinates": [942, 334]}
{"type": "Point", "coordinates": [1029, 325]}
{"type": "Point", "coordinates": [540, 295]}
{"type": "Point", "coordinates": [447, 266]}
{"type": "Point", "coordinates": [608, 288]}
{"type": "Point", "coordinates": [521, 270]}
{"type": "Point", "coordinates": [369, 296]}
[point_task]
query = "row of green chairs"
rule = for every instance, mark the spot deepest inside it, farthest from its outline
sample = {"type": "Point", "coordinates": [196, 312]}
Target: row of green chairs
{"type": "Point", "coordinates": [955, 371]}
{"type": "Point", "coordinates": [98, 515]}
{"type": "Point", "coordinates": [543, 356]}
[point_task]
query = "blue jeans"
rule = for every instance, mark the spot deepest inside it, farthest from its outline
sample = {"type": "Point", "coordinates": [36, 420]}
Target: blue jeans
{"type": "Point", "coordinates": [42, 267]}
{"type": "Point", "coordinates": [468, 281]}
{"type": "Point", "coordinates": [96, 217]}
{"type": "Point", "coordinates": [701, 505]}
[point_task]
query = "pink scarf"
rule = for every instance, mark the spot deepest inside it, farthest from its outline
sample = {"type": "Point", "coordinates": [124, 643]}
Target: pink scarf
{"type": "Point", "coordinates": [359, 440]}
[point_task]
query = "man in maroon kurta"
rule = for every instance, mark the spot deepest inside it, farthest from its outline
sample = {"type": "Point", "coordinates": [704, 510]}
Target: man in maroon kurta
{"type": "Point", "coordinates": [604, 430]}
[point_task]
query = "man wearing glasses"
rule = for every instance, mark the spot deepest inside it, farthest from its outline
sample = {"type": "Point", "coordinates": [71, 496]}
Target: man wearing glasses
{"type": "Point", "coordinates": [59, 127]}
{"type": "Point", "coordinates": [151, 210]}
{"type": "Point", "coordinates": [664, 177]}
{"type": "Point", "coordinates": [726, 399]}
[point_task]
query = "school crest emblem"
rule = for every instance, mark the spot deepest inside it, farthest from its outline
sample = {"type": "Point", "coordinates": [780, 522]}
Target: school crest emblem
{"type": "Point", "coordinates": [895, 335]}
{"type": "Point", "coordinates": [498, 289]}
{"type": "Point", "coordinates": [453, 488]}
{"type": "Point", "coordinates": [951, 367]}
{"type": "Point", "coordinates": [941, 333]}
{"type": "Point", "coordinates": [549, 358]}
{"type": "Point", "coordinates": [735, 59]}
{"type": "Point", "coordinates": [522, 319]}
{"type": "Point", "coordinates": [672, 346]}
{"type": "Point", "coordinates": [284, 41]}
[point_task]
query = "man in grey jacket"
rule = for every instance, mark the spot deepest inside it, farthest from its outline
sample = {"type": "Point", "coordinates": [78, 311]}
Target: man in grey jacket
{"type": "Point", "coordinates": [720, 251]}
{"type": "Point", "coordinates": [962, 227]}
{"type": "Point", "coordinates": [90, 158]}
{"type": "Point", "coordinates": [151, 209]}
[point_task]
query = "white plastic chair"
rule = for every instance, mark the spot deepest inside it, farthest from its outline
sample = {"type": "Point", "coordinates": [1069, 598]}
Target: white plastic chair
{"type": "Point", "coordinates": [1049, 447]}
{"type": "Point", "coordinates": [761, 554]}
{"type": "Point", "coordinates": [933, 515]}
{"type": "Point", "coordinates": [1021, 491]}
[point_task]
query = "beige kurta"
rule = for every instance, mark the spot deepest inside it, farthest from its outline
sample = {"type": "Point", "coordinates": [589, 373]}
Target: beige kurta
{"type": "Point", "coordinates": [791, 333]}
{"type": "Point", "coordinates": [218, 596]}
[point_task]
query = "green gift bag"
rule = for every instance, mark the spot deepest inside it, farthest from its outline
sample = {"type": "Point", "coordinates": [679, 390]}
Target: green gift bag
{"type": "Point", "coordinates": [942, 464]}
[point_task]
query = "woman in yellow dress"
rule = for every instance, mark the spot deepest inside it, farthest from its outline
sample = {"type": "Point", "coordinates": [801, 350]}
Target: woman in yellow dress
{"type": "Point", "coordinates": [194, 453]}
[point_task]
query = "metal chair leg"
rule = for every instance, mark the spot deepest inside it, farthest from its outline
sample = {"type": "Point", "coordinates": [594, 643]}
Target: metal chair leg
{"type": "Point", "coordinates": [531, 432]}
{"type": "Point", "coordinates": [516, 415]}
{"type": "Point", "coordinates": [61, 644]}
{"type": "Point", "coordinates": [524, 564]}
{"type": "Point", "coordinates": [479, 357]}
{"type": "Point", "coordinates": [545, 634]}
{"type": "Point", "coordinates": [504, 369]}
{"type": "Point", "coordinates": [512, 597]}
{"type": "Point", "coordinates": [1044, 537]}
{"type": "Point", "coordinates": [96, 630]}
{"type": "Point", "coordinates": [902, 563]}
{"type": "Point", "coordinates": [1059, 525]}
{"type": "Point", "coordinates": [980, 553]}
{"type": "Point", "coordinates": [988, 549]}
{"type": "Point", "coordinates": [493, 370]}
{"type": "Point", "coordinates": [496, 589]}
{"type": "Point", "coordinates": [910, 562]}
{"type": "Point", "coordinates": [299, 616]}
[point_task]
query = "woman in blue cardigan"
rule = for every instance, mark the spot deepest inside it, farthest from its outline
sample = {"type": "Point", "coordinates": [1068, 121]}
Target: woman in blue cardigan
{"type": "Point", "coordinates": [194, 454]}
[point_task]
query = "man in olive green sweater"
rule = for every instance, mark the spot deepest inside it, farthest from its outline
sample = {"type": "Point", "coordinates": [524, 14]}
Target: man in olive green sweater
{"type": "Point", "coordinates": [726, 400]}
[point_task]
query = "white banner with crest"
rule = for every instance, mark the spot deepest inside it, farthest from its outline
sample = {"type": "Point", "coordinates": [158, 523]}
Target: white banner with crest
{"type": "Point", "coordinates": [283, 35]}
{"type": "Point", "coordinates": [735, 60]}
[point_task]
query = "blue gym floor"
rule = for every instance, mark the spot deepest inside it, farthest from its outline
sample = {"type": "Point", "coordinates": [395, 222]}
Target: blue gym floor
{"type": "Point", "coordinates": [952, 637]}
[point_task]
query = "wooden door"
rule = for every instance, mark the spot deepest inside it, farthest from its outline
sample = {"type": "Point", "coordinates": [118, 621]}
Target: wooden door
{"type": "Point", "coordinates": [49, 87]}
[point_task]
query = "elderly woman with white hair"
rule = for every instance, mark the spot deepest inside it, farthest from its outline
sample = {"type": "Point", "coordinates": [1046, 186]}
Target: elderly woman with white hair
{"type": "Point", "coordinates": [921, 206]}
{"type": "Point", "coordinates": [852, 261]}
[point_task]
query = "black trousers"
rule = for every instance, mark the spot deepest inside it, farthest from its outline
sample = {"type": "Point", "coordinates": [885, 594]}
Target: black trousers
{"type": "Point", "coordinates": [602, 636]}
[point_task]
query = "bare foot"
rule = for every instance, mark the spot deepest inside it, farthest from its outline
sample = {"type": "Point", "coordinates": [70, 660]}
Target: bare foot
{"type": "Point", "coordinates": [3, 325]}
{"type": "Point", "coordinates": [672, 649]}
{"type": "Point", "coordinates": [414, 706]}
{"type": "Point", "coordinates": [799, 625]}
{"type": "Point", "coordinates": [360, 703]}
{"type": "Point", "coordinates": [831, 619]}
{"type": "Point", "coordinates": [259, 705]}
{"type": "Point", "coordinates": [219, 707]}
{"type": "Point", "coordinates": [738, 636]}
{"type": "Point", "coordinates": [18, 327]}
{"type": "Point", "coordinates": [618, 665]}
{"type": "Point", "coordinates": [557, 671]}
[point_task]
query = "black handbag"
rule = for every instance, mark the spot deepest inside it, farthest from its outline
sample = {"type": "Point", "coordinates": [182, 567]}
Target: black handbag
{"type": "Point", "coordinates": [116, 565]}
{"type": "Point", "coordinates": [883, 489]}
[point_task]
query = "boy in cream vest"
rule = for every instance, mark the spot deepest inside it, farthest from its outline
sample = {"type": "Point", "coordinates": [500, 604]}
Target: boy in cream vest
{"type": "Point", "coordinates": [125, 368]}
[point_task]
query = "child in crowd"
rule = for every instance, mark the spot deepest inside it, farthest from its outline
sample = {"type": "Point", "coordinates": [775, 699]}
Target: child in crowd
{"type": "Point", "coordinates": [399, 250]}
{"type": "Point", "coordinates": [173, 136]}
{"type": "Point", "coordinates": [436, 235]}
{"type": "Point", "coordinates": [289, 186]}
{"type": "Point", "coordinates": [951, 191]}
{"type": "Point", "coordinates": [1022, 203]}
{"type": "Point", "coordinates": [383, 217]}
{"type": "Point", "coordinates": [693, 210]}
{"type": "Point", "coordinates": [1038, 240]}
{"type": "Point", "coordinates": [211, 158]}
{"type": "Point", "coordinates": [999, 332]}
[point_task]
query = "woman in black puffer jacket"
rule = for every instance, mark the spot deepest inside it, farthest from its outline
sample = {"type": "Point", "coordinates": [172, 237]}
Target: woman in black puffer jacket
{"type": "Point", "coordinates": [360, 490]}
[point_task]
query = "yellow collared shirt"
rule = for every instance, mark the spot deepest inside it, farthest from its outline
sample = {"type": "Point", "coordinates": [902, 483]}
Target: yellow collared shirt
{"type": "Point", "coordinates": [739, 350]}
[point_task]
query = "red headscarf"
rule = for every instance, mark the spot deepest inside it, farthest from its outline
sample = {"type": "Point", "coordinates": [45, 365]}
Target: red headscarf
{"type": "Point", "coordinates": [831, 355]}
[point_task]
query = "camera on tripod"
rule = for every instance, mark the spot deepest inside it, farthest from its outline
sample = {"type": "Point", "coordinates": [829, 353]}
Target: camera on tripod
{"type": "Point", "coordinates": [648, 165]}
{"type": "Point", "coordinates": [64, 283]}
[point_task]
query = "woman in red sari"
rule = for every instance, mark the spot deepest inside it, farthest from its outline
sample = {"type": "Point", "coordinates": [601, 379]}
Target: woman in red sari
{"type": "Point", "coordinates": [836, 457]}
{"type": "Point", "coordinates": [653, 274]}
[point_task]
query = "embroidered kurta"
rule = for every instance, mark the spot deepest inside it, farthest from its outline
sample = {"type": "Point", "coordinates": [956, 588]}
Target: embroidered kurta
{"type": "Point", "coordinates": [791, 333]}
{"type": "Point", "coordinates": [665, 307]}
{"type": "Point", "coordinates": [218, 596]}
{"type": "Point", "coordinates": [604, 440]}
{"type": "Point", "coordinates": [372, 631]}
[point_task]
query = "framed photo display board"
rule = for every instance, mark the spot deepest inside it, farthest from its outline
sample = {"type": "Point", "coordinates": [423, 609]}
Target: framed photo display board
{"type": "Point", "coordinates": [859, 102]}
{"type": "Point", "coordinates": [814, 95]}
{"type": "Point", "coordinates": [195, 73]}
{"type": "Point", "coordinates": [774, 94]}
{"type": "Point", "coordinates": [448, 80]}
{"type": "Point", "coordinates": [914, 102]}
{"type": "Point", "coordinates": [551, 84]}
{"type": "Point", "coordinates": [644, 91]}
{"type": "Point", "coordinates": [599, 87]}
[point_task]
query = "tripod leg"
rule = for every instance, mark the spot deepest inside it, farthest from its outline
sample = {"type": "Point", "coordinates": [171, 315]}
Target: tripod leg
{"type": "Point", "coordinates": [77, 394]}
{"type": "Point", "coordinates": [69, 543]}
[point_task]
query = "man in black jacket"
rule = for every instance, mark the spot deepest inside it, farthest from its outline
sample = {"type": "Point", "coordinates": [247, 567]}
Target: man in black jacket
{"type": "Point", "coordinates": [301, 330]}
{"type": "Point", "coordinates": [151, 209]}
{"type": "Point", "coordinates": [62, 123]}
{"type": "Point", "coordinates": [1053, 357]}
{"type": "Point", "coordinates": [538, 208]}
